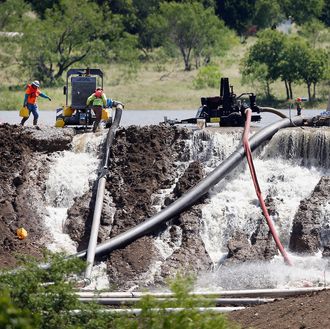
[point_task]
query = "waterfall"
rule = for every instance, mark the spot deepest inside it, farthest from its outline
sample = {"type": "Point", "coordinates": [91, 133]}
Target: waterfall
{"type": "Point", "coordinates": [306, 147]}
{"type": "Point", "coordinates": [288, 169]}
{"type": "Point", "coordinates": [69, 177]}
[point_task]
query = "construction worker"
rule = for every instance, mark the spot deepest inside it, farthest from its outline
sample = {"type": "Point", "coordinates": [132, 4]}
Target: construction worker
{"type": "Point", "coordinates": [299, 105]}
{"type": "Point", "coordinates": [32, 92]}
{"type": "Point", "coordinates": [98, 100]}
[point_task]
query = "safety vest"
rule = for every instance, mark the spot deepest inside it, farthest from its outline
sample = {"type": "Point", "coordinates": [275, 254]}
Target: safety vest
{"type": "Point", "coordinates": [32, 93]}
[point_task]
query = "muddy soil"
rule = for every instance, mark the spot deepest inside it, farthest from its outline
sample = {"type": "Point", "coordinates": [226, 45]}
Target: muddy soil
{"type": "Point", "coordinates": [301, 312]}
{"type": "Point", "coordinates": [25, 154]}
{"type": "Point", "coordinates": [145, 163]}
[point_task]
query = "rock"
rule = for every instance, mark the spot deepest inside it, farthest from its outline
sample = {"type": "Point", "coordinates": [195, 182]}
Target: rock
{"type": "Point", "coordinates": [309, 220]}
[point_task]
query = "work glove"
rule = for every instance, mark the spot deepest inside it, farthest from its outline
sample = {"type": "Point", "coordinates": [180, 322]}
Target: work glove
{"type": "Point", "coordinates": [49, 98]}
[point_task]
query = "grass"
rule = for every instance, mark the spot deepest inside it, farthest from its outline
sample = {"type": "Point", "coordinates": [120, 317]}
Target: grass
{"type": "Point", "coordinates": [165, 86]}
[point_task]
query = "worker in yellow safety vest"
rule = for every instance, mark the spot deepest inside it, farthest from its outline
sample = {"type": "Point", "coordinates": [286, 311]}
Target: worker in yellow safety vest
{"type": "Point", "coordinates": [98, 100]}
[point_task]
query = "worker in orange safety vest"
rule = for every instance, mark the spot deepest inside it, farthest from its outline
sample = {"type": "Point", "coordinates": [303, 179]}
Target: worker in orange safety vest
{"type": "Point", "coordinates": [32, 93]}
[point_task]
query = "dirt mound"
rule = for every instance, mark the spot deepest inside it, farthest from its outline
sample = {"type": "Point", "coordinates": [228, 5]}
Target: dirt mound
{"type": "Point", "coordinates": [24, 162]}
{"type": "Point", "coordinates": [302, 312]}
{"type": "Point", "coordinates": [145, 162]}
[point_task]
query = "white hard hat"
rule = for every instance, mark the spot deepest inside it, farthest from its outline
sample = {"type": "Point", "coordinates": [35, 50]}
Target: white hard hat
{"type": "Point", "coordinates": [36, 83]}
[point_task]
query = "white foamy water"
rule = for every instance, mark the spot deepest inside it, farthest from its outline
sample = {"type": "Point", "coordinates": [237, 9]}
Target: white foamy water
{"type": "Point", "coordinates": [212, 148]}
{"type": "Point", "coordinates": [99, 278]}
{"type": "Point", "coordinates": [306, 271]}
{"type": "Point", "coordinates": [70, 177]}
{"type": "Point", "coordinates": [233, 205]}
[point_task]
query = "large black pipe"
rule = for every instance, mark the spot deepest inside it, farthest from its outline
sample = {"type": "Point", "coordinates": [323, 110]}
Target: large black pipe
{"type": "Point", "coordinates": [193, 194]}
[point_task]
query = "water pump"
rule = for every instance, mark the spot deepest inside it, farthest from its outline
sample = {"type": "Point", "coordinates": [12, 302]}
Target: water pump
{"type": "Point", "coordinates": [226, 110]}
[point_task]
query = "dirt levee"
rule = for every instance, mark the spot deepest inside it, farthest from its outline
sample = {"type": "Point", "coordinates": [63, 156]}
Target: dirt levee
{"type": "Point", "coordinates": [24, 162]}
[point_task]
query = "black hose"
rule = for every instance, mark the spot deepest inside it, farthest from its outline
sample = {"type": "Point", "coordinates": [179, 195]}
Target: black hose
{"type": "Point", "coordinates": [193, 194]}
{"type": "Point", "coordinates": [111, 135]}
{"type": "Point", "coordinates": [272, 110]}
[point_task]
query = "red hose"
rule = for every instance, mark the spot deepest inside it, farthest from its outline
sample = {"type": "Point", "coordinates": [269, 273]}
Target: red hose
{"type": "Point", "coordinates": [246, 144]}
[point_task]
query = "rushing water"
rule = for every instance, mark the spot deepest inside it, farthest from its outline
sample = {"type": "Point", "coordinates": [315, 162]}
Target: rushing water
{"type": "Point", "coordinates": [288, 169]}
{"type": "Point", "coordinates": [70, 177]}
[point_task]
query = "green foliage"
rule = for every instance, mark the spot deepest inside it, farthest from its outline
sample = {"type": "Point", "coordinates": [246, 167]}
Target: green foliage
{"type": "Point", "coordinates": [315, 32]}
{"type": "Point", "coordinates": [256, 74]}
{"type": "Point", "coordinates": [11, 101]}
{"type": "Point", "coordinates": [155, 316]}
{"type": "Point", "coordinates": [314, 68]}
{"type": "Point", "coordinates": [262, 60]}
{"type": "Point", "coordinates": [126, 51]}
{"type": "Point", "coordinates": [13, 13]}
{"type": "Point", "coordinates": [71, 32]}
{"type": "Point", "coordinates": [40, 7]}
{"type": "Point", "coordinates": [267, 13]}
{"type": "Point", "coordinates": [277, 56]}
{"type": "Point", "coordinates": [325, 16]}
{"type": "Point", "coordinates": [237, 14]}
{"type": "Point", "coordinates": [194, 30]}
{"type": "Point", "coordinates": [302, 10]}
{"type": "Point", "coordinates": [37, 298]}
{"type": "Point", "coordinates": [207, 76]}
{"type": "Point", "coordinates": [46, 294]}
{"type": "Point", "coordinates": [12, 317]}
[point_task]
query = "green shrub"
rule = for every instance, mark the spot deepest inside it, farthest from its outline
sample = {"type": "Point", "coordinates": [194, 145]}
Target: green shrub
{"type": "Point", "coordinates": [155, 316]}
{"type": "Point", "coordinates": [12, 317]}
{"type": "Point", "coordinates": [207, 76]}
{"type": "Point", "coordinates": [38, 298]}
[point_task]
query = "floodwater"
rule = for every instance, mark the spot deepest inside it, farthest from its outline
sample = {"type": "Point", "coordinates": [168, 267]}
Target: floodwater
{"type": "Point", "coordinates": [146, 117]}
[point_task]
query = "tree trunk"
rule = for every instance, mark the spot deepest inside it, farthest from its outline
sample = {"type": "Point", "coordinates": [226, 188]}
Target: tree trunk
{"type": "Point", "coordinates": [287, 89]}
{"type": "Point", "coordinates": [309, 90]}
{"type": "Point", "coordinates": [186, 59]}
{"type": "Point", "coordinates": [290, 89]}
{"type": "Point", "coordinates": [314, 90]}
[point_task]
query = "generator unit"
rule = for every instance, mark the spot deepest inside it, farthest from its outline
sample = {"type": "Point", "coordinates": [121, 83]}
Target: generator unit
{"type": "Point", "coordinates": [226, 109]}
{"type": "Point", "coordinates": [80, 84]}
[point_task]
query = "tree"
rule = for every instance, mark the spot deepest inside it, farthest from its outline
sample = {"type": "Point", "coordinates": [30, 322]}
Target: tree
{"type": "Point", "coordinates": [256, 74]}
{"type": "Point", "coordinates": [302, 10]}
{"type": "Point", "coordinates": [325, 15]}
{"type": "Point", "coordinates": [237, 14]}
{"type": "Point", "coordinates": [292, 60]}
{"type": "Point", "coordinates": [314, 31]}
{"type": "Point", "coordinates": [71, 32]}
{"type": "Point", "coordinates": [40, 7]}
{"type": "Point", "coordinates": [50, 304]}
{"type": "Point", "coordinates": [194, 30]}
{"type": "Point", "coordinates": [314, 69]}
{"type": "Point", "coordinates": [12, 15]}
{"type": "Point", "coordinates": [267, 13]}
{"type": "Point", "coordinates": [263, 58]}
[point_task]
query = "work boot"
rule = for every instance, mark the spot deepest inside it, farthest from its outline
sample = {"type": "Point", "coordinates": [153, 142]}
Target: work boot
{"type": "Point", "coordinates": [95, 126]}
{"type": "Point", "coordinates": [23, 121]}
{"type": "Point", "coordinates": [35, 122]}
